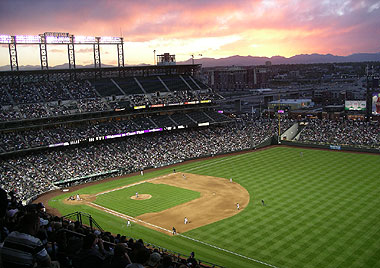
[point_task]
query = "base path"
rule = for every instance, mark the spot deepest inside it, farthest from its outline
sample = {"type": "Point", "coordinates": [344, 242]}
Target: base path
{"type": "Point", "coordinates": [46, 197]}
{"type": "Point", "coordinates": [218, 201]}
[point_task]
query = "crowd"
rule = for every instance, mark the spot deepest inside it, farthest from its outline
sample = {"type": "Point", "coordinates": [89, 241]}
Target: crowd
{"type": "Point", "coordinates": [81, 247]}
{"type": "Point", "coordinates": [30, 138]}
{"type": "Point", "coordinates": [55, 98]}
{"type": "Point", "coordinates": [52, 109]}
{"type": "Point", "coordinates": [30, 237]}
{"type": "Point", "coordinates": [343, 132]}
{"type": "Point", "coordinates": [134, 153]}
{"type": "Point", "coordinates": [127, 155]}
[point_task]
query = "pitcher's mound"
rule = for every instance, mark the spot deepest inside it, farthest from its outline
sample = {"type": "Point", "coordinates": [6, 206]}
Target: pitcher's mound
{"type": "Point", "coordinates": [141, 197]}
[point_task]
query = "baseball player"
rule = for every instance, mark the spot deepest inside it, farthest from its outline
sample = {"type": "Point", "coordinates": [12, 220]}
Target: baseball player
{"type": "Point", "coordinates": [174, 231]}
{"type": "Point", "coordinates": [137, 195]}
{"type": "Point", "coordinates": [237, 206]}
{"type": "Point", "coordinates": [186, 220]}
{"type": "Point", "coordinates": [129, 223]}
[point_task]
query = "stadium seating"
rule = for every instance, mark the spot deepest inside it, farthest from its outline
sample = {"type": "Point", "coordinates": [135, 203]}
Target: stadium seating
{"type": "Point", "coordinates": [105, 87]}
{"type": "Point", "coordinates": [124, 155]}
{"type": "Point", "coordinates": [348, 132]}
{"type": "Point", "coordinates": [182, 119]}
{"type": "Point", "coordinates": [64, 239]}
{"type": "Point", "coordinates": [128, 85]}
{"type": "Point", "coordinates": [43, 99]}
{"type": "Point", "coordinates": [174, 83]}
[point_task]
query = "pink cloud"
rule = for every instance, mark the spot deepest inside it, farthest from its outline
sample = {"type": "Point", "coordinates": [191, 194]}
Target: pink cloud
{"type": "Point", "coordinates": [304, 26]}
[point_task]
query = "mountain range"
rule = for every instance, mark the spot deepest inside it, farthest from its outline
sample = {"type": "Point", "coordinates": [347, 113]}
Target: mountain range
{"type": "Point", "coordinates": [246, 61]}
{"type": "Point", "coordinates": [298, 59]}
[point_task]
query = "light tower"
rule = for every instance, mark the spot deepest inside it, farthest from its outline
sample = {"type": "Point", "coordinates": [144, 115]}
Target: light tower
{"type": "Point", "coordinates": [192, 57]}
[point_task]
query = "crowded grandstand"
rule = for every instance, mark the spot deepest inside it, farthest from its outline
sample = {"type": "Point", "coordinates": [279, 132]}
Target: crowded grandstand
{"type": "Point", "coordinates": [57, 132]}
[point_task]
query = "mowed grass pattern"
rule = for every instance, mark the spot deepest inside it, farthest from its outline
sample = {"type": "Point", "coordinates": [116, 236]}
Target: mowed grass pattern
{"type": "Point", "coordinates": [163, 197]}
{"type": "Point", "coordinates": [322, 210]}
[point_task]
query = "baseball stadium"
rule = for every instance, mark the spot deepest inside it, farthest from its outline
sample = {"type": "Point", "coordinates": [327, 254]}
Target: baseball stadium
{"type": "Point", "coordinates": [143, 156]}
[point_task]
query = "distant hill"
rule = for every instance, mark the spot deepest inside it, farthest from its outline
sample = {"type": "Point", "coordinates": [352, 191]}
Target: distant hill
{"type": "Point", "coordinates": [298, 59]}
{"type": "Point", "coordinates": [245, 61]}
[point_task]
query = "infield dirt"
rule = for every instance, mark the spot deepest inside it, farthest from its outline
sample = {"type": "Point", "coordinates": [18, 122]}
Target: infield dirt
{"type": "Point", "coordinates": [218, 200]}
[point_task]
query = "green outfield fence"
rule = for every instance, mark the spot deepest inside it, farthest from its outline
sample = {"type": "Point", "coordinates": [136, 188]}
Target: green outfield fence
{"type": "Point", "coordinates": [340, 147]}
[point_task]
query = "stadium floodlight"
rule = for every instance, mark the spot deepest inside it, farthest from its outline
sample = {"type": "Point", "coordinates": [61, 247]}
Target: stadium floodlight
{"type": "Point", "coordinates": [192, 58]}
{"type": "Point", "coordinates": [61, 38]}
{"type": "Point", "coordinates": [57, 39]}
{"type": "Point", "coordinates": [84, 39]}
{"type": "Point", "coordinates": [28, 39]}
{"type": "Point", "coordinates": [5, 39]}
{"type": "Point", "coordinates": [109, 40]}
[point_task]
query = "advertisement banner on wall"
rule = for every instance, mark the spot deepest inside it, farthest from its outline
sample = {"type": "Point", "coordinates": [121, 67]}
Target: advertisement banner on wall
{"type": "Point", "coordinates": [355, 105]}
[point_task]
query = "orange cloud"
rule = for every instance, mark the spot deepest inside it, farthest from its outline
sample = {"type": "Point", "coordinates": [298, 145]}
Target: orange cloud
{"type": "Point", "coordinates": [216, 28]}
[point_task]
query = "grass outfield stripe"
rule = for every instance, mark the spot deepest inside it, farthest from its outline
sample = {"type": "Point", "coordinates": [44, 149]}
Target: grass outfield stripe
{"type": "Point", "coordinates": [127, 186]}
{"type": "Point", "coordinates": [115, 213]}
{"type": "Point", "coordinates": [228, 251]}
{"type": "Point", "coordinates": [322, 210]}
{"type": "Point", "coordinates": [215, 162]}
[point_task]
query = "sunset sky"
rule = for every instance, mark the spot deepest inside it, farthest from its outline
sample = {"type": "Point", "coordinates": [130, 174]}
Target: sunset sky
{"type": "Point", "coordinates": [213, 28]}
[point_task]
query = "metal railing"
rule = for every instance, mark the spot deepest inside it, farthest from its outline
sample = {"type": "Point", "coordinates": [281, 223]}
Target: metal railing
{"type": "Point", "coordinates": [83, 219]}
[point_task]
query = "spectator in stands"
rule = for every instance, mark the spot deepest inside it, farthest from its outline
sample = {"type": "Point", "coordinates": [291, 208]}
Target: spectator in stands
{"type": "Point", "coordinates": [140, 257]}
{"type": "Point", "coordinates": [119, 259]}
{"type": "Point", "coordinates": [22, 248]}
{"type": "Point", "coordinates": [167, 262]}
{"type": "Point", "coordinates": [154, 260]}
{"type": "Point", "coordinates": [191, 261]}
{"type": "Point", "coordinates": [92, 253]}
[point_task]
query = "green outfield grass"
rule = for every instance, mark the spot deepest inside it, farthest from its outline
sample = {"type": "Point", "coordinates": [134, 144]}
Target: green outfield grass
{"type": "Point", "coordinates": [323, 210]}
{"type": "Point", "coordinates": [163, 197]}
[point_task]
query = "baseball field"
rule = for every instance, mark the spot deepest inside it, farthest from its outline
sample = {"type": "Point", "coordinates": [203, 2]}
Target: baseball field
{"type": "Point", "coordinates": [321, 208]}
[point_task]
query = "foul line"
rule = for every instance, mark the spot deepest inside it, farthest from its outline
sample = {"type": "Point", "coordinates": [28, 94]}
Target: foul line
{"type": "Point", "coordinates": [197, 167]}
{"type": "Point", "coordinates": [120, 215]}
{"type": "Point", "coordinates": [129, 185]}
{"type": "Point", "coordinates": [228, 251]}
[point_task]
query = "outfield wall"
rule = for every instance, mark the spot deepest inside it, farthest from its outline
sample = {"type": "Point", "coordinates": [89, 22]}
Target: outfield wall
{"type": "Point", "coordinates": [331, 147]}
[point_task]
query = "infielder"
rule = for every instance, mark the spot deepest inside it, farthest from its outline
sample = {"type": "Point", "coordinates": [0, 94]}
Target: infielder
{"type": "Point", "coordinates": [186, 220]}
{"type": "Point", "coordinates": [237, 206]}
